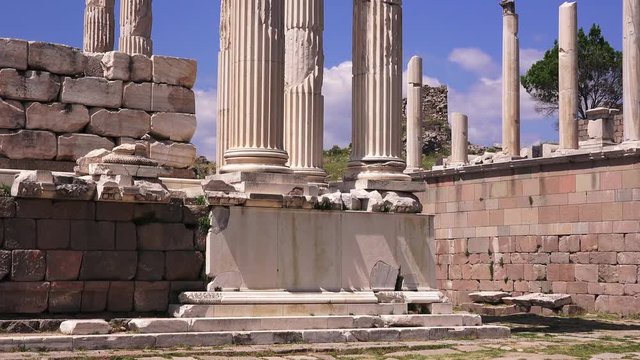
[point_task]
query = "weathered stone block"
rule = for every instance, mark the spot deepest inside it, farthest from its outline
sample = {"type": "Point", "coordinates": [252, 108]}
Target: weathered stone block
{"type": "Point", "coordinates": [120, 123]}
{"type": "Point", "coordinates": [5, 264]}
{"type": "Point", "coordinates": [58, 59]}
{"type": "Point", "coordinates": [120, 298]}
{"type": "Point", "coordinates": [28, 265]}
{"type": "Point", "coordinates": [109, 265]}
{"type": "Point", "coordinates": [24, 297]}
{"type": "Point", "coordinates": [116, 65]}
{"type": "Point", "coordinates": [126, 237]}
{"type": "Point", "coordinates": [72, 147]}
{"type": "Point", "coordinates": [114, 211]}
{"type": "Point", "coordinates": [19, 234]}
{"type": "Point", "coordinates": [12, 114]}
{"type": "Point", "coordinates": [151, 265]}
{"type": "Point", "coordinates": [151, 296]}
{"type": "Point", "coordinates": [29, 144]}
{"type": "Point", "coordinates": [74, 210]}
{"type": "Point", "coordinates": [94, 296]}
{"type": "Point", "coordinates": [168, 98]}
{"type": "Point", "coordinates": [137, 96]}
{"type": "Point", "coordinates": [171, 154]}
{"type": "Point", "coordinates": [92, 235]}
{"type": "Point", "coordinates": [53, 234]}
{"type": "Point", "coordinates": [65, 297]}
{"type": "Point", "coordinates": [7, 209]}
{"type": "Point", "coordinates": [63, 265]}
{"type": "Point", "coordinates": [141, 68]}
{"type": "Point", "coordinates": [85, 327]}
{"type": "Point", "coordinates": [92, 91]}
{"type": "Point", "coordinates": [13, 54]}
{"type": "Point", "coordinates": [34, 208]}
{"type": "Point", "coordinates": [174, 71]}
{"type": "Point", "coordinates": [93, 66]}
{"type": "Point", "coordinates": [173, 126]}
{"type": "Point", "coordinates": [165, 237]}
{"type": "Point", "coordinates": [57, 117]}
{"type": "Point", "coordinates": [30, 86]}
{"type": "Point", "coordinates": [166, 213]}
{"type": "Point", "coordinates": [184, 265]}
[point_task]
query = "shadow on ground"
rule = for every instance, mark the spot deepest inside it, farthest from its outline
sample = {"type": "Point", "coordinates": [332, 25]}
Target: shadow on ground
{"type": "Point", "coordinates": [539, 324]}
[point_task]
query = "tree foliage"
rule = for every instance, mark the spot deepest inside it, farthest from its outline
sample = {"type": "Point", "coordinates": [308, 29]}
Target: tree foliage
{"type": "Point", "coordinates": [599, 75]}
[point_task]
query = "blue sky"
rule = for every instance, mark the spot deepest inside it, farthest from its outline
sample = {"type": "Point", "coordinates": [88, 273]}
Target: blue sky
{"type": "Point", "coordinates": [460, 41]}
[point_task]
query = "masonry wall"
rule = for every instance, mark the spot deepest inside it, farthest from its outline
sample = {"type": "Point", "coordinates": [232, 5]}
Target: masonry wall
{"type": "Point", "coordinates": [618, 129]}
{"type": "Point", "coordinates": [93, 257]}
{"type": "Point", "coordinates": [570, 227]}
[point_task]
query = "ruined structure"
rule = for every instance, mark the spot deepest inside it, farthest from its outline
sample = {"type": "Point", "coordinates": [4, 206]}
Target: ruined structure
{"type": "Point", "coordinates": [414, 115]}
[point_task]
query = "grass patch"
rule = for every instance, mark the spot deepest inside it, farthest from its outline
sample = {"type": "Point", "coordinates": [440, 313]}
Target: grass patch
{"type": "Point", "coordinates": [335, 162]}
{"type": "Point", "coordinates": [588, 350]}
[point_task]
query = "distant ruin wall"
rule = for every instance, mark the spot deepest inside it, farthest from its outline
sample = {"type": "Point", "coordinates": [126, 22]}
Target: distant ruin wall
{"type": "Point", "coordinates": [436, 132]}
{"type": "Point", "coordinates": [57, 104]}
{"type": "Point", "coordinates": [618, 128]}
{"type": "Point", "coordinates": [541, 226]}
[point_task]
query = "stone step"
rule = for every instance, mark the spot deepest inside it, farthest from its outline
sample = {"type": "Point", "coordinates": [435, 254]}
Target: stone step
{"type": "Point", "coordinates": [170, 340]}
{"type": "Point", "coordinates": [284, 297]}
{"type": "Point", "coordinates": [275, 310]}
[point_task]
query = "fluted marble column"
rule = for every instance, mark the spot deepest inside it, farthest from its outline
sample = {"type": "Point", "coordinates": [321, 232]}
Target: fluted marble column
{"type": "Point", "coordinates": [414, 115]}
{"type": "Point", "coordinates": [136, 22]}
{"type": "Point", "coordinates": [99, 23]}
{"type": "Point", "coordinates": [510, 80]}
{"type": "Point", "coordinates": [568, 81]}
{"type": "Point", "coordinates": [459, 139]}
{"type": "Point", "coordinates": [377, 91]}
{"type": "Point", "coordinates": [256, 127]}
{"type": "Point", "coordinates": [303, 100]}
{"type": "Point", "coordinates": [631, 69]}
{"type": "Point", "coordinates": [224, 84]}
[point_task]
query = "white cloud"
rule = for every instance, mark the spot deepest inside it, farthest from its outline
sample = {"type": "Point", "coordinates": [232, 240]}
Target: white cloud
{"type": "Point", "coordinates": [474, 60]}
{"type": "Point", "coordinates": [206, 112]}
{"type": "Point", "coordinates": [528, 57]}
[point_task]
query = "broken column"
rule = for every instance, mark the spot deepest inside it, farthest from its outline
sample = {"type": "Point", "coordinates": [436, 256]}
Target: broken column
{"type": "Point", "coordinates": [377, 91]}
{"type": "Point", "coordinates": [631, 70]}
{"type": "Point", "coordinates": [303, 100]}
{"type": "Point", "coordinates": [136, 20]}
{"type": "Point", "coordinates": [510, 81]}
{"type": "Point", "coordinates": [224, 84]}
{"type": "Point", "coordinates": [459, 139]}
{"type": "Point", "coordinates": [568, 81]}
{"type": "Point", "coordinates": [414, 116]}
{"type": "Point", "coordinates": [256, 128]}
{"type": "Point", "coordinates": [99, 22]}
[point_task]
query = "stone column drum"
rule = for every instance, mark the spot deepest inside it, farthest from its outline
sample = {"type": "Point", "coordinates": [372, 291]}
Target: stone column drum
{"type": "Point", "coordinates": [510, 81]}
{"type": "Point", "coordinates": [225, 89]}
{"type": "Point", "coordinates": [377, 91]}
{"type": "Point", "coordinates": [631, 69]}
{"type": "Point", "coordinates": [99, 26]}
{"type": "Point", "coordinates": [568, 81]}
{"type": "Point", "coordinates": [459, 139]}
{"type": "Point", "coordinates": [136, 21]}
{"type": "Point", "coordinates": [414, 116]}
{"type": "Point", "coordinates": [256, 128]}
{"type": "Point", "coordinates": [303, 100]}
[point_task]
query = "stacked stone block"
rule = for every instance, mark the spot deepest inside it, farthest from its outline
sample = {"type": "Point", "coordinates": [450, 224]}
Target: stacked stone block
{"type": "Point", "coordinates": [547, 227]}
{"type": "Point", "coordinates": [84, 256]}
{"type": "Point", "coordinates": [57, 103]}
{"type": "Point", "coordinates": [618, 129]}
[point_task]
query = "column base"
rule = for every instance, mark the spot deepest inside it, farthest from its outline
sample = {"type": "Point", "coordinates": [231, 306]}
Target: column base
{"type": "Point", "coordinates": [629, 145]}
{"type": "Point", "coordinates": [313, 175]}
{"type": "Point", "coordinates": [256, 160]}
{"type": "Point", "coordinates": [377, 169]}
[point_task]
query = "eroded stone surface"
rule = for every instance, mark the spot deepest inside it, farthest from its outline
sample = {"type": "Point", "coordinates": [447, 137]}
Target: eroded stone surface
{"type": "Point", "coordinates": [85, 327]}
{"type": "Point", "coordinates": [550, 301]}
{"type": "Point", "coordinates": [384, 277]}
{"type": "Point", "coordinates": [92, 91]}
{"type": "Point", "coordinates": [28, 144]}
{"type": "Point", "coordinates": [13, 54]}
{"type": "Point", "coordinates": [137, 96]}
{"type": "Point", "coordinates": [57, 117]}
{"type": "Point", "coordinates": [116, 65]}
{"type": "Point", "coordinates": [173, 154]}
{"type": "Point", "coordinates": [43, 184]}
{"type": "Point", "coordinates": [173, 126]}
{"type": "Point", "coordinates": [72, 147]}
{"type": "Point", "coordinates": [57, 59]}
{"type": "Point", "coordinates": [141, 68]}
{"type": "Point", "coordinates": [30, 86]}
{"type": "Point", "coordinates": [174, 71]}
{"type": "Point", "coordinates": [120, 123]}
{"type": "Point", "coordinates": [489, 297]}
{"type": "Point", "coordinates": [169, 98]}
{"type": "Point", "coordinates": [12, 114]}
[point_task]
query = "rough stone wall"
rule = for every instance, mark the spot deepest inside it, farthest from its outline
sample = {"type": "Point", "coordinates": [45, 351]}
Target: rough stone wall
{"type": "Point", "coordinates": [435, 110]}
{"type": "Point", "coordinates": [556, 228]}
{"type": "Point", "coordinates": [618, 135]}
{"type": "Point", "coordinates": [84, 256]}
{"type": "Point", "coordinates": [57, 103]}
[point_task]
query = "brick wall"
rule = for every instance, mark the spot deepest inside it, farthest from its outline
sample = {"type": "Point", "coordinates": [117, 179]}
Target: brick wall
{"type": "Point", "coordinates": [618, 127]}
{"type": "Point", "coordinates": [83, 256]}
{"type": "Point", "coordinates": [571, 227]}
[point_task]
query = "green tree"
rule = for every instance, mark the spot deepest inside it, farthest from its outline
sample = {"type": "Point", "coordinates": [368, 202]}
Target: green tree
{"type": "Point", "coordinates": [599, 75]}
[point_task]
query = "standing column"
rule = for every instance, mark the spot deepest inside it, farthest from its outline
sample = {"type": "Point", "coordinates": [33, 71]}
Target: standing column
{"type": "Point", "coordinates": [224, 84]}
{"type": "Point", "coordinates": [303, 100]}
{"type": "Point", "coordinates": [510, 81]}
{"type": "Point", "coordinates": [136, 21]}
{"type": "Point", "coordinates": [459, 139]}
{"type": "Point", "coordinates": [631, 69]}
{"type": "Point", "coordinates": [377, 91]}
{"type": "Point", "coordinates": [99, 22]}
{"type": "Point", "coordinates": [414, 116]}
{"type": "Point", "coordinates": [568, 63]}
{"type": "Point", "coordinates": [256, 128]}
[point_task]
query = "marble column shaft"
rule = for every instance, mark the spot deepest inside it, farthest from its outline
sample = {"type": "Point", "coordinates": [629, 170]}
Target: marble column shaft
{"type": "Point", "coordinates": [256, 127]}
{"type": "Point", "coordinates": [631, 69]}
{"type": "Point", "coordinates": [377, 91]}
{"type": "Point", "coordinates": [136, 21]}
{"type": "Point", "coordinates": [303, 100]}
{"type": "Point", "coordinates": [510, 81]}
{"type": "Point", "coordinates": [99, 26]}
{"type": "Point", "coordinates": [414, 115]}
{"type": "Point", "coordinates": [568, 80]}
{"type": "Point", "coordinates": [459, 139]}
{"type": "Point", "coordinates": [225, 89]}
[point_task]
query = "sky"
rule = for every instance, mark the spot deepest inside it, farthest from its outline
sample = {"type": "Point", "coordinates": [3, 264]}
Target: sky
{"type": "Point", "coordinates": [459, 40]}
